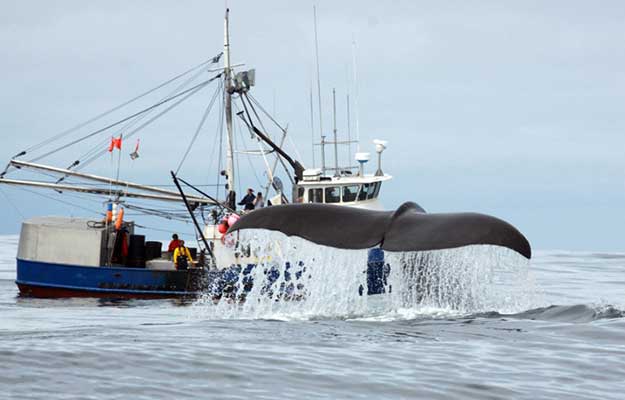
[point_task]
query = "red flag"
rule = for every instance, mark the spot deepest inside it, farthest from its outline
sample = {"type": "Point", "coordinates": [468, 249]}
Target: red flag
{"type": "Point", "coordinates": [116, 143]}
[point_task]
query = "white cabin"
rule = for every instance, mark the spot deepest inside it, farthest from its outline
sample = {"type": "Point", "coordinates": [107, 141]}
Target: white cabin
{"type": "Point", "coordinates": [346, 190]}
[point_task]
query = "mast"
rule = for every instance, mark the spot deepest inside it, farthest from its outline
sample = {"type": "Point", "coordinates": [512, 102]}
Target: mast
{"type": "Point", "coordinates": [231, 196]}
{"type": "Point", "coordinates": [354, 70]}
{"type": "Point", "coordinates": [349, 132]}
{"type": "Point", "coordinates": [336, 143]}
{"type": "Point", "coordinates": [323, 164]}
{"type": "Point", "coordinates": [312, 125]}
{"type": "Point", "coordinates": [323, 154]}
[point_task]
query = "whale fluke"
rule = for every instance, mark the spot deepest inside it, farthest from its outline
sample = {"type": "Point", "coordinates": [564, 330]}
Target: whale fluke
{"type": "Point", "coordinates": [409, 228]}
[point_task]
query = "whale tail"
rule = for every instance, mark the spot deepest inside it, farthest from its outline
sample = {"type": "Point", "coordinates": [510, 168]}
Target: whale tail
{"type": "Point", "coordinates": [409, 228]}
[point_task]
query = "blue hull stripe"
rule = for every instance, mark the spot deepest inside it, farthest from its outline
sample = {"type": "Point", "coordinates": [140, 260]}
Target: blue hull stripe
{"type": "Point", "coordinates": [100, 290]}
{"type": "Point", "coordinates": [120, 280]}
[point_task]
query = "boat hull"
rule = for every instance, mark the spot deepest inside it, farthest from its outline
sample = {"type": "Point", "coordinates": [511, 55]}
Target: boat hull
{"type": "Point", "coordinates": [42, 279]}
{"type": "Point", "coordinates": [54, 280]}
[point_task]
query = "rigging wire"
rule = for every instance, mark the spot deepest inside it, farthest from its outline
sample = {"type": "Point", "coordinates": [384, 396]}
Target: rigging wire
{"type": "Point", "coordinates": [214, 148]}
{"type": "Point", "coordinates": [99, 185]}
{"type": "Point", "coordinates": [278, 157]}
{"type": "Point", "coordinates": [211, 161]}
{"type": "Point", "coordinates": [262, 145]}
{"type": "Point", "coordinates": [191, 90]}
{"type": "Point", "coordinates": [299, 156]}
{"type": "Point", "coordinates": [170, 214]}
{"type": "Point", "coordinates": [163, 230]}
{"type": "Point", "coordinates": [184, 84]}
{"type": "Point", "coordinates": [83, 197]}
{"type": "Point", "coordinates": [98, 147]}
{"type": "Point", "coordinates": [215, 201]}
{"type": "Point", "coordinates": [134, 131]}
{"type": "Point", "coordinates": [249, 159]}
{"type": "Point", "coordinates": [105, 113]}
{"type": "Point", "coordinates": [62, 201]}
{"type": "Point", "coordinates": [237, 176]}
{"type": "Point", "coordinates": [44, 173]}
{"type": "Point", "coordinates": [6, 196]}
{"type": "Point", "coordinates": [157, 213]}
{"type": "Point", "coordinates": [199, 127]}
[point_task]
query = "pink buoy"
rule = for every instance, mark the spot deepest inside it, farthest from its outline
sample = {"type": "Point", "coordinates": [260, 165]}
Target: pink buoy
{"type": "Point", "coordinates": [222, 228]}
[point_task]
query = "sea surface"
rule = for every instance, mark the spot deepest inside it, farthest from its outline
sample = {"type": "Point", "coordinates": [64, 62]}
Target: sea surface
{"type": "Point", "coordinates": [553, 328]}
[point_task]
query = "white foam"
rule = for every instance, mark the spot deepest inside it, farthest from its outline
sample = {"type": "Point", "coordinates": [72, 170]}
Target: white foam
{"type": "Point", "coordinates": [467, 280]}
{"type": "Point", "coordinates": [327, 288]}
{"type": "Point", "coordinates": [435, 283]}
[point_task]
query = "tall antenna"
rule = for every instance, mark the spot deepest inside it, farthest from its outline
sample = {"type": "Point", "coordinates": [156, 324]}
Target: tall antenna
{"type": "Point", "coordinates": [349, 133]}
{"type": "Point", "coordinates": [312, 125]}
{"type": "Point", "coordinates": [356, 94]}
{"type": "Point", "coordinates": [318, 81]}
{"type": "Point", "coordinates": [336, 142]}
{"type": "Point", "coordinates": [349, 128]}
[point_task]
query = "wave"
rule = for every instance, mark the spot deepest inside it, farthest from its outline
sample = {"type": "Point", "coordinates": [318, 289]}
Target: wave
{"type": "Point", "coordinates": [572, 313]}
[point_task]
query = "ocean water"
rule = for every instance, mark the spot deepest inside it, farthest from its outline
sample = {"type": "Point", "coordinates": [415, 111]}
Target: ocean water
{"type": "Point", "coordinates": [492, 327]}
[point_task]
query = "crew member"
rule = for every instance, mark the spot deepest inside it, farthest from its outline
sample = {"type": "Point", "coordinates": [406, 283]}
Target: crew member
{"type": "Point", "coordinates": [259, 201]}
{"type": "Point", "coordinates": [182, 256]}
{"type": "Point", "coordinates": [174, 243]}
{"type": "Point", "coordinates": [248, 201]}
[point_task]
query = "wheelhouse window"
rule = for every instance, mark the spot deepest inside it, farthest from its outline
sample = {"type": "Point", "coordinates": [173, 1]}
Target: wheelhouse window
{"type": "Point", "coordinates": [377, 189]}
{"type": "Point", "coordinates": [364, 191]}
{"type": "Point", "coordinates": [350, 193]}
{"type": "Point", "coordinates": [300, 194]}
{"type": "Point", "coordinates": [315, 195]}
{"type": "Point", "coordinates": [373, 190]}
{"type": "Point", "coordinates": [333, 195]}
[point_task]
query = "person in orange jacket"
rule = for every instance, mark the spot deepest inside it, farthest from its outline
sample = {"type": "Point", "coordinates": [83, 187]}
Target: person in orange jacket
{"type": "Point", "coordinates": [173, 245]}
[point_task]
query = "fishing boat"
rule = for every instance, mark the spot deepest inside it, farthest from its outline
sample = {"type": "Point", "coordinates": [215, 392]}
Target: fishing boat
{"type": "Point", "coordinates": [103, 257]}
{"type": "Point", "coordinates": [337, 206]}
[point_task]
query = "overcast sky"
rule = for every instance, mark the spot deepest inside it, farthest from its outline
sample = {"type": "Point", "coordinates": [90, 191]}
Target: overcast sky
{"type": "Point", "coordinates": [513, 109]}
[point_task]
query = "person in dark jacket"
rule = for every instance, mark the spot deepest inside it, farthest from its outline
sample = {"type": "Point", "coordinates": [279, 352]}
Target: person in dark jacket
{"type": "Point", "coordinates": [248, 201]}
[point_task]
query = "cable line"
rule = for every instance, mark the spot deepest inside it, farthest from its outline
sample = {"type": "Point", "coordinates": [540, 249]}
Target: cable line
{"type": "Point", "coordinates": [198, 86]}
{"type": "Point", "coordinates": [249, 96]}
{"type": "Point", "coordinates": [135, 121]}
{"type": "Point", "coordinates": [105, 113]}
{"type": "Point", "coordinates": [11, 203]}
{"type": "Point", "coordinates": [95, 151]}
{"type": "Point", "coordinates": [62, 201]}
{"type": "Point", "coordinates": [199, 127]}
{"type": "Point", "coordinates": [148, 122]}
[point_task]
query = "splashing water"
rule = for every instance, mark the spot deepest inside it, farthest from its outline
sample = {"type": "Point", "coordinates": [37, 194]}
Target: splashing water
{"type": "Point", "coordinates": [296, 279]}
{"type": "Point", "coordinates": [467, 280]}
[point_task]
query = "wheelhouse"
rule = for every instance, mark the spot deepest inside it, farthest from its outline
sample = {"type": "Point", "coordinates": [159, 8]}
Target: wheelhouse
{"type": "Point", "coordinates": [341, 191]}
